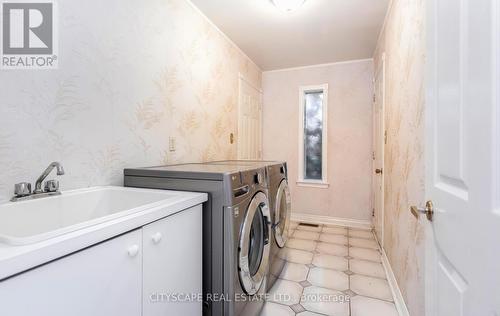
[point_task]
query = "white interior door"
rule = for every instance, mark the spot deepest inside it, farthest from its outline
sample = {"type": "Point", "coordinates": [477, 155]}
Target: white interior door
{"type": "Point", "coordinates": [249, 121]}
{"type": "Point", "coordinates": [463, 158]}
{"type": "Point", "coordinates": [378, 151]}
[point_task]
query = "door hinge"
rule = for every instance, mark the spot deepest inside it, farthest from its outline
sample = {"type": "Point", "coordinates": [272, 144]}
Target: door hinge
{"type": "Point", "coordinates": [374, 98]}
{"type": "Point", "coordinates": [373, 212]}
{"type": "Point", "coordinates": [373, 155]}
{"type": "Point", "coordinates": [385, 137]}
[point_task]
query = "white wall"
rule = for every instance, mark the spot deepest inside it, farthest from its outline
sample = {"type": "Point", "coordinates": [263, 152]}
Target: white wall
{"type": "Point", "coordinates": [349, 135]}
{"type": "Point", "coordinates": [131, 74]}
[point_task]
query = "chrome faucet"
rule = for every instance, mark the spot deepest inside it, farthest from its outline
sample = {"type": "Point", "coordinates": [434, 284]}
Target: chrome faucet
{"type": "Point", "coordinates": [39, 181]}
{"type": "Point", "coordinates": [22, 191]}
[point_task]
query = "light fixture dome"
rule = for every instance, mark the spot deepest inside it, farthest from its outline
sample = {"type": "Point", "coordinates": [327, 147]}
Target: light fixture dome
{"type": "Point", "coordinates": [288, 5]}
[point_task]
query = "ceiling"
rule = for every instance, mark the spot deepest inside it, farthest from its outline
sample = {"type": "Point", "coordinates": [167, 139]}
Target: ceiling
{"type": "Point", "coordinates": [321, 31]}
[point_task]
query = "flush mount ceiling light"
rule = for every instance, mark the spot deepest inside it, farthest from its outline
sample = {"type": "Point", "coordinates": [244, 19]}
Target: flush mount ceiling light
{"type": "Point", "coordinates": [288, 5]}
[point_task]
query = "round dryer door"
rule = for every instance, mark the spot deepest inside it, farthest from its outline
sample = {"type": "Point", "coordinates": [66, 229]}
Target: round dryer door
{"type": "Point", "coordinates": [254, 244]}
{"type": "Point", "coordinates": [282, 215]}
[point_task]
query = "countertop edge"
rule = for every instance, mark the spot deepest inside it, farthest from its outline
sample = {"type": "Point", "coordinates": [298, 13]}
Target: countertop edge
{"type": "Point", "coordinates": [19, 259]}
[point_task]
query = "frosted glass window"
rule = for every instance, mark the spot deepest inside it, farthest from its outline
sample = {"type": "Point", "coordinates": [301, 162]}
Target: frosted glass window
{"type": "Point", "coordinates": [313, 135]}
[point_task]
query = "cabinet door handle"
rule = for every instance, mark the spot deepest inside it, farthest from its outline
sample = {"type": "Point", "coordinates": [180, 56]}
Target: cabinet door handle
{"type": "Point", "coordinates": [156, 238]}
{"type": "Point", "coordinates": [133, 251]}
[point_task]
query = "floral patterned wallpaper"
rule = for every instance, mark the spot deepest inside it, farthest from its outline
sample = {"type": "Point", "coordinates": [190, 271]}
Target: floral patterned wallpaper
{"type": "Point", "coordinates": [130, 76]}
{"type": "Point", "coordinates": [403, 41]}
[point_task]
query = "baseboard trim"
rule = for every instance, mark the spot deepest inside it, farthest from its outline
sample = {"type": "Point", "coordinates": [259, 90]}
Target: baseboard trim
{"type": "Point", "coordinates": [393, 284]}
{"type": "Point", "coordinates": [320, 219]}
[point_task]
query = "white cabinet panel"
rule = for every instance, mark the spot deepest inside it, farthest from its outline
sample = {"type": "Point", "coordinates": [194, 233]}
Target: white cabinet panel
{"type": "Point", "coordinates": [101, 280]}
{"type": "Point", "coordinates": [172, 264]}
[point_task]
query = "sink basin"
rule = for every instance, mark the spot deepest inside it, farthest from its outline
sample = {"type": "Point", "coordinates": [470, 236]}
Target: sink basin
{"type": "Point", "coordinates": [35, 220]}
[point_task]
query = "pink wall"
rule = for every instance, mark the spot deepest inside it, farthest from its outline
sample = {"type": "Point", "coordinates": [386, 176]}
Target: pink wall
{"type": "Point", "coordinates": [349, 136]}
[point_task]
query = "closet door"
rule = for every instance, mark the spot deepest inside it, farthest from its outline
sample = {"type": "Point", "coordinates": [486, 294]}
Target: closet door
{"type": "Point", "coordinates": [249, 121]}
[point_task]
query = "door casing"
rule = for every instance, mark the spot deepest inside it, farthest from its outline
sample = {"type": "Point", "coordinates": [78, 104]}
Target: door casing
{"type": "Point", "coordinates": [378, 181]}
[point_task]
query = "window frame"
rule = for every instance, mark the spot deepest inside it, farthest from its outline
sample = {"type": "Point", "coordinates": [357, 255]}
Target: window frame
{"type": "Point", "coordinates": [301, 181]}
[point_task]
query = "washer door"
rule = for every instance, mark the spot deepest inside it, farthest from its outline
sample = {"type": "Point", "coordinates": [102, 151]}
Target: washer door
{"type": "Point", "coordinates": [282, 214]}
{"type": "Point", "coordinates": [254, 244]}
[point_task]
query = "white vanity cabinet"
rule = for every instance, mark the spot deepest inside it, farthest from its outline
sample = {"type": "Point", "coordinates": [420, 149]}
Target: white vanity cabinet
{"type": "Point", "coordinates": [117, 276]}
{"type": "Point", "coordinates": [172, 259]}
{"type": "Point", "coordinates": [102, 280]}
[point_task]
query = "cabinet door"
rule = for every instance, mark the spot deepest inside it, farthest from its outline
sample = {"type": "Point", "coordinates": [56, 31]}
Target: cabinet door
{"type": "Point", "coordinates": [102, 280]}
{"type": "Point", "coordinates": [173, 264]}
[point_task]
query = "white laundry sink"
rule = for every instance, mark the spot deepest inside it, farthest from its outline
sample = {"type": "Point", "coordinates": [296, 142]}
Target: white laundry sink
{"type": "Point", "coordinates": [31, 221]}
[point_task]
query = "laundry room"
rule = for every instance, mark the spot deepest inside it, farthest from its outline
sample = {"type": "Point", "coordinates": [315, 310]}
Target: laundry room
{"type": "Point", "coordinates": [249, 157]}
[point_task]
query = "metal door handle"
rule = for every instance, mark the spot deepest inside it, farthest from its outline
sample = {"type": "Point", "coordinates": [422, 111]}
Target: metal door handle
{"type": "Point", "coordinates": [241, 191]}
{"type": "Point", "coordinates": [428, 210]}
{"type": "Point", "coordinates": [379, 171]}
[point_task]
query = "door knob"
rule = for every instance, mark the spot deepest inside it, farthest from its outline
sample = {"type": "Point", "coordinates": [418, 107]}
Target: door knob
{"type": "Point", "coordinates": [428, 210]}
{"type": "Point", "coordinates": [378, 171]}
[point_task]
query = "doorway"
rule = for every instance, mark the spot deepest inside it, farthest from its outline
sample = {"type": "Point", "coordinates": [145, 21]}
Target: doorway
{"type": "Point", "coordinates": [378, 150]}
{"type": "Point", "coordinates": [249, 121]}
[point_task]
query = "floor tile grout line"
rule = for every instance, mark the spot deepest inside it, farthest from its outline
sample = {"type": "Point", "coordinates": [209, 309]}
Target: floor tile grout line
{"type": "Point", "coordinates": [289, 306]}
{"type": "Point", "coordinates": [307, 279]}
{"type": "Point", "coordinates": [367, 275]}
{"type": "Point", "coordinates": [376, 249]}
{"type": "Point", "coordinates": [314, 254]}
{"type": "Point", "coordinates": [348, 246]}
{"type": "Point", "coordinates": [375, 298]}
{"type": "Point", "coordinates": [335, 234]}
{"type": "Point", "coordinates": [364, 238]}
{"type": "Point", "coordinates": [349, 267]}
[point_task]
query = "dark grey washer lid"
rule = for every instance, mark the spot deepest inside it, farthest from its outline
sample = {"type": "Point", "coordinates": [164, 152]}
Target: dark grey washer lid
{"type": "Point", "coordinates": [202, 171]}
{"type": "Point", "coordinates": [251, 163]}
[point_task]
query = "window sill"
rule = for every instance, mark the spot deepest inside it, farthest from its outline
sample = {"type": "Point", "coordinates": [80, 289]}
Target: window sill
{"type": "Point", "coordinates": [313, 184]}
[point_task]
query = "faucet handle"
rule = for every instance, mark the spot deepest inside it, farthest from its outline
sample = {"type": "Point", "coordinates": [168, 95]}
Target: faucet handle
{"type": "Point", "coordinates": [22, 189]}
{"type": "Point", "coordinates": [51, 186]}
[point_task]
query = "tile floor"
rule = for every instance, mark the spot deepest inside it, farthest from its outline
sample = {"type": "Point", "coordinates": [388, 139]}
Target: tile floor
{"type": "Point", "coordinates": [331, 270]}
